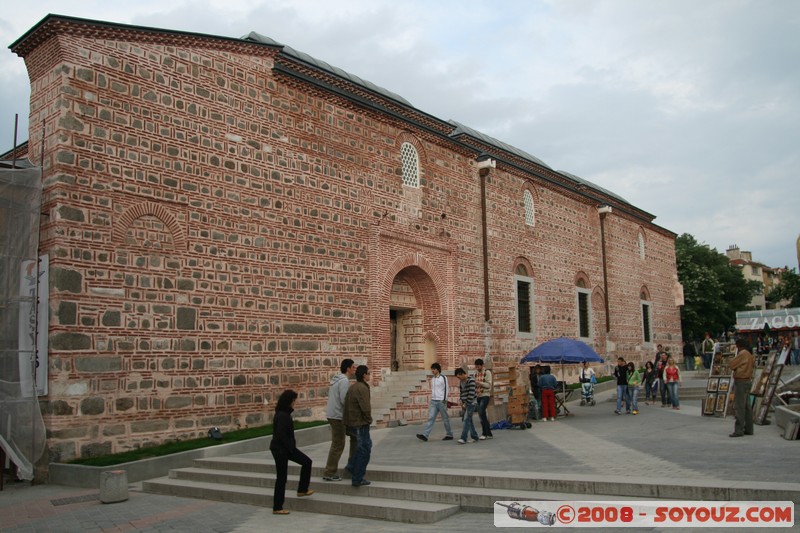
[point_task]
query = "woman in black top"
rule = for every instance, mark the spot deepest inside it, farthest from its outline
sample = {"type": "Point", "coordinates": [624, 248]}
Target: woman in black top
{"type": "Point", "coordinates": [536, 373]}
{"type": "Point", "coordinates": [649, 378]}
{"type": "Point", "coordinates": [284, 449]}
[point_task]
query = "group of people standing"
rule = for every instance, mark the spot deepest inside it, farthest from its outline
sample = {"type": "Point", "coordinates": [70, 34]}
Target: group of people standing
{"type": "Point", "coordinates": [543, 390]}
{"type": "Point", "coordinates": [788, 340]}
{"type": "Point", "coordinates": [475, 393]}
{"type": "Point", "coordinates": [349, 412]}
{"type": "Point", "coordinates": [660, 376]}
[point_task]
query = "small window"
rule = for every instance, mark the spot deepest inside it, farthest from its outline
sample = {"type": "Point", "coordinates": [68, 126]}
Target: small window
{"type": "Point", "coordinates": [410, 161]}
{"type": "Point", "coordinates": [529, 213]}
{"type": "Point", "coordinates": [641, 245]}
{"type": "Point", "coordinates": [523, 288]}
{"type": "Point", "coordinates": [584, 305]}
{"type": "Point", "coordinates": [647, 334]}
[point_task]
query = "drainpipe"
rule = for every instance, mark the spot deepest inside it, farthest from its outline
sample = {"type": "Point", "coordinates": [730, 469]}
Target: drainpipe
{"type": "Point", "coordinates": [604, 210]}
{"type": "Point", "coordinates": [485, 164]}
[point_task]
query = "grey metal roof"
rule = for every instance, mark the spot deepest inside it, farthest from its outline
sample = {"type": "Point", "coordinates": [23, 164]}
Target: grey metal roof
{"type": "Point", "coordinates": [461, 129]}
{"type": "Point", "coordinates": [322, 65]}
{"type": "Point", "coordinates": [591, 185]}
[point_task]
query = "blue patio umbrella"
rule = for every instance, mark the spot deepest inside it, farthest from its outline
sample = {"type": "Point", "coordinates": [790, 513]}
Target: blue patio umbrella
{"type": "Point", "coordinates": [562, 351]}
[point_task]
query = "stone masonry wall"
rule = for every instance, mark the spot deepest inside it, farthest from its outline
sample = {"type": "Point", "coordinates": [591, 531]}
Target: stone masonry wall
{"type": "Point", "coordinates": [219, 233]}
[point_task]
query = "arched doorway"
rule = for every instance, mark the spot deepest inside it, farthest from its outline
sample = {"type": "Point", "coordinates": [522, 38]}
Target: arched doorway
{"type": "Point", "coordinates": [414, 315]}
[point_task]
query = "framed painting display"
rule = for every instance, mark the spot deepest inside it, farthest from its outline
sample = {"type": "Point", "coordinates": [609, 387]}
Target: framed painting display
{"type": "Point", "coordinates": [761, 413]}
{"type": "Point", "coordinates": [719, 382]}
{"type": "Point", "coordinates": [721, 401]}
{"type": "Point", "coordinates": [760, 384]}
{"type": "Point", "coordinates": [710, 404]}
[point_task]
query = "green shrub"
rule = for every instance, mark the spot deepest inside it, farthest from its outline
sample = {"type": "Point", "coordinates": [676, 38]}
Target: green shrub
{"type": "Point", "coordinates": [575, 386]}
{"type": "Point", "coordinates": [185, 445]}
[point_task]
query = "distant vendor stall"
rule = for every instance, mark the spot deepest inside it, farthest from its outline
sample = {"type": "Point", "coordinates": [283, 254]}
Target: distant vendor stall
{"type": "Point", "coordinates": [767, 325]}
{"type": "Point", "coordinates": [770, 320]}
{"type": "Point", "coordinates": [766, 328]}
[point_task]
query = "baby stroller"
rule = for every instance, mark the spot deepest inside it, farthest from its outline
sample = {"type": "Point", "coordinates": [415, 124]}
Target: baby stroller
{"type": "Point", "coordinates": [587, 392]}
{"type": "Point", "coordinates": [533, 408]}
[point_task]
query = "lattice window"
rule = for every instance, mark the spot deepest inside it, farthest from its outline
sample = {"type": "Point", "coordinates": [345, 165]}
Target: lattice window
{"type": "Point", "coordinates": [584, 306]}
{"type": "Point", "coordinates": [523, 290]}
{"type": "Point", "coordinates": [529, 214]}
{"type": "Point", "coordinates": [647, 334]}
{"type": "Point", "coordinates": [410, 161]}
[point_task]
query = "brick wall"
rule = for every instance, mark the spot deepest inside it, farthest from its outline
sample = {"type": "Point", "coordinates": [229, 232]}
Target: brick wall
{"type": "Point", "coordinates": [219, 232]}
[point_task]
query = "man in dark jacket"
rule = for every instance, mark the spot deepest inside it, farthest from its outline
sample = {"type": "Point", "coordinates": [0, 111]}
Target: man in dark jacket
{"type": "Point", "coordinates": [358, 417]}
{"type": "Point", "coordinates": [621, 373]}
{"type": "Point", "coordinates": [688, 355]}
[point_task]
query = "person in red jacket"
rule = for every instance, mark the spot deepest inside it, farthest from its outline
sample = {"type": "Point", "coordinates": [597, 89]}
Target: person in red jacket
{"type": "Point", "coordinates": [548, 384]}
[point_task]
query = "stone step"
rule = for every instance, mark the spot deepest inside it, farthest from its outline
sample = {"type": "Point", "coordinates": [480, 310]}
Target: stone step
{"type": "Point", "coordinates": [426, 495]}
{"type": "Point", "coordinates": [467, 498]}
{"type": "Point", "coordinates": [449, 480]}
{"type": "Point", "coordinates": [394, 389]}
{"type": "Point", "coordinates": [351, 503]}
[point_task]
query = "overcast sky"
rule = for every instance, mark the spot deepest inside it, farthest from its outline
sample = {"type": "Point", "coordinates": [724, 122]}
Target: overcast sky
{"type": "Point", "coordinates": [688, 109]}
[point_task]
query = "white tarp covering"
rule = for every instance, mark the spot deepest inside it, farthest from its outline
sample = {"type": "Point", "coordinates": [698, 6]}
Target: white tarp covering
{"type": "Point", "coordinates": [22, 434]}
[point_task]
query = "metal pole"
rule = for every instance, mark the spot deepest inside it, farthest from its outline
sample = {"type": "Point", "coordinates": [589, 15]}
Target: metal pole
{"type": "Point", "coordinates": [605, 268]}
{"type": "Point", "coordinates": [483, 173]}
{"type": "Point", "coordinates": [14, 150]}
{"type": "Point", "coordinates": [41, 155]}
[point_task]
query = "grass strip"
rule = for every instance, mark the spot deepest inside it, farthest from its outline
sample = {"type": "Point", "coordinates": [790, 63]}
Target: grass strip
{"type": "Point", "coordinates": [169, 448]}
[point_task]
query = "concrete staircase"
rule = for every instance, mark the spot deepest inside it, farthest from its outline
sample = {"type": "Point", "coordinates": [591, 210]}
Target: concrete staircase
{"type": "Point", "coordinates": [693, 387]}
{"type": "Point", "coordinates": [427, 495]}
{"type": "Point", "coordinates": [395, 388]}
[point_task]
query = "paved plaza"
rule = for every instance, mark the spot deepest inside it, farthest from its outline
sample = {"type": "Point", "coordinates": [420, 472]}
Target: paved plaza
{"type": "Point", "coordinates": [659, 443]}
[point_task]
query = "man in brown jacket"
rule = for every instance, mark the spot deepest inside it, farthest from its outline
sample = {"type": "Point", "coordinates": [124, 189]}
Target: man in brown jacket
{"type": "Point", "coordinates": [742, 365]}
{"type": "Point", "coordinates": [357, 418]}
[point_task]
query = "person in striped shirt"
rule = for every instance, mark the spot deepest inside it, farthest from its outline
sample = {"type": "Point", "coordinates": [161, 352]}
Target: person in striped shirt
{"type": "Point", "coordinates": [469, 401]}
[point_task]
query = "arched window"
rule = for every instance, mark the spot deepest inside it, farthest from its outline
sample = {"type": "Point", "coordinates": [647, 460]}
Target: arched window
{"type": "Point", "coordinates": [523, 292]}
{"type": "Point", "coordinates": [647, 332]}
{"type": "Point", "coordinates": [641, 244]}
{"type": "Point", "coordinates": [529, 213]}
{"type": "Point", "coordinates": [410, 162]}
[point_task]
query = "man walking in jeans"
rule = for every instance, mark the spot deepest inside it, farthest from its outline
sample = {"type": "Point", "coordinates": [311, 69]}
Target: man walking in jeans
{"type": "Point", "coordinates": [336, 393]}
{"type": "Point", "coordinates": [438, 404]}
{"type": "Point", "coordinates": [483, 380]}
{"type": "Point", "coordinates": [621, 373]}
{"type": "Point", "coordinates": [358, 417]}
{"type": "Point", "coordinates": [468, 404]}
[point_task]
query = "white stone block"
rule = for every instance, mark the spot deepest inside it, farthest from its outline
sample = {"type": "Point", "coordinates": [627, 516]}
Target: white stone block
{"type": "Point", "coordinates": [113, 486]}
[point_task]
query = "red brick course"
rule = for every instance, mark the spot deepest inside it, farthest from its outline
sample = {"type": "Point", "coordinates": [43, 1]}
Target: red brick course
{"type": "Point", "coordinates": [220, 230]}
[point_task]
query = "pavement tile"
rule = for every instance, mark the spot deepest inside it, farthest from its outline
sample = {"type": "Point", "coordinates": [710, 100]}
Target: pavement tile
{"type": "Point", "coordinates": [676, 445]}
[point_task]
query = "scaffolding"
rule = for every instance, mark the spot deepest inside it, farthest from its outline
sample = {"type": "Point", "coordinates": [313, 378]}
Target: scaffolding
{"type": "Point", "coordinates": [22, 433]}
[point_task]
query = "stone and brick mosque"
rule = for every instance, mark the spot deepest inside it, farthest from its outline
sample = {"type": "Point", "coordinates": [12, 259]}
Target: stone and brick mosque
{"type": "Point", "coordinates": [226, 218]}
